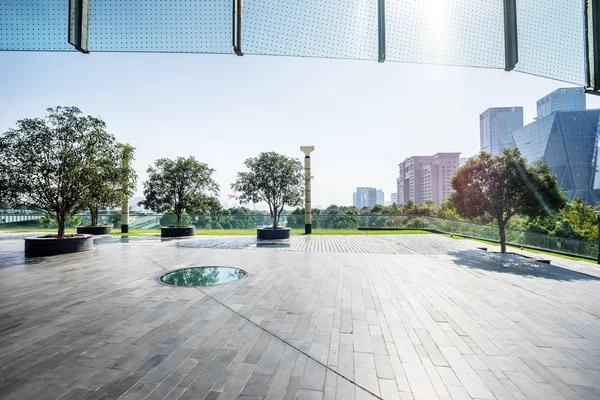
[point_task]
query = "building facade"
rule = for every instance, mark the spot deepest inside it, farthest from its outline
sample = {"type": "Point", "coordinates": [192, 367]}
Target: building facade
{"type": "Point", "coordinates": [423, 178]}
{"type": "Point", "coordinates": [564, 99]}
{"type": "Point", "coordinates": [366, 197]}
{"type": "Point", "coordinates": [568, 142]}
{"type": "Point", "coordinates": [496, 126]}
{"type": "Point", "coordinates": [380, 196]}
{"type": "Point", "coordinates": [393, 198]}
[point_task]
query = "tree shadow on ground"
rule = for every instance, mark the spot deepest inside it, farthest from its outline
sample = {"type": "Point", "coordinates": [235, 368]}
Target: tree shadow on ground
{"type": "Point", "coordinates": [515, 265]}
{"type": "Point", "coordinates": [17, 258]}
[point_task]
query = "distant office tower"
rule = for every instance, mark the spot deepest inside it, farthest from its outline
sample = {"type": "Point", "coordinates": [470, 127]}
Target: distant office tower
{"type": "Point", "coordinates": [365, 197]}
{"type": "Point", "coordinates": [565, 99]}
{"type": "Point", "coordinates": [496, 126]}
{"type": "Point", "coordinates": [380, 197]}
{"type": "Point", "coordinates": [423, 178]}
{"type": "Point", "coordinates": [393, 199]}
{"type": "Point", "coordinates": [568, 142]}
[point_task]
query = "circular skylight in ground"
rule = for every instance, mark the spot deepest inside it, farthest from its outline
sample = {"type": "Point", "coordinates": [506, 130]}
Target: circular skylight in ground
{"type": "Point", "coordinates": [203, 276]}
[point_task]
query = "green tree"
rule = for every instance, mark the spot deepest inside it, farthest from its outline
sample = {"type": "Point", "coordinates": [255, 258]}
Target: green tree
{"type": "Point", "coordinates": [116, 179]}
{"type": "Point", "coordinates": [582, 219]}
{"type": "Point", "coordinates": [169, 218]}
{"type": "Point", "coordinates": [504, 186]}
{"type": "Point", "coordinates": [273, 178]}
{"type": "Point", "coordinates": [50, 163]}
{"type": "Point", "coordinates": [377, 209]}
{"type": "Point", "coordinates": [178, 186]}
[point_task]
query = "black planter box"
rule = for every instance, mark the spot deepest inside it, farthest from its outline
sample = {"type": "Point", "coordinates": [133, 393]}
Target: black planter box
{"type": "Point", "coordinates": [94, 230]}
{"type": "Point", "coordinates": [52, 246]}
{"type": "Point", "coordinates": [177, 231]}
{"type": "Point", "coordinates": [270, 233]}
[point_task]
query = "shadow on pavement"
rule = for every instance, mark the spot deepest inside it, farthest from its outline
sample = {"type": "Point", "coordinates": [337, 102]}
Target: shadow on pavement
{"type": "Point", "coordinates": [511, 264]}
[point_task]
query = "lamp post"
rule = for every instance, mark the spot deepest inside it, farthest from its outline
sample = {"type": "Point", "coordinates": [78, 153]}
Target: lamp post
{"type": "Point", "coordinates": [598, 219]}
{"type": "Point", "coordinates": [127, 150]}
{"type": "Point", "coordinates": [307, 204]}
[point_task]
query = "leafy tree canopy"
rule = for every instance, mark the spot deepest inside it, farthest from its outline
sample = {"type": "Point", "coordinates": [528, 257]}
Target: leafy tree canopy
{"type": "Point", "coordinates": [50, 164]}
{"type": "Point", "coordinates": [273, 178]}
{"type": "Point", "coordinates": [116, 180]}
{"type": "Point", "coordinates": [504, 186]}
{"type": "Point", "coordinates": [180, 185]}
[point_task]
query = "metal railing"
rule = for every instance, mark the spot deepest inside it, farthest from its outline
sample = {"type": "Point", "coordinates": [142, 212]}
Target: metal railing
{"type": "Point", "coordinates": [151, 222]}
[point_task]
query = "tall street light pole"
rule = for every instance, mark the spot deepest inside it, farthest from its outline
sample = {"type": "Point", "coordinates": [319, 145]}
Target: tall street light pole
{"type": "Point", "coordinates": [307, 203]}
{"type": "Point", "coordinates": [127, 149]}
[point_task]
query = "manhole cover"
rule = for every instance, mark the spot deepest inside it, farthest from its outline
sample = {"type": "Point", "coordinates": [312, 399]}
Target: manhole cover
{"type": "Point", "coordinates": [203, 276]}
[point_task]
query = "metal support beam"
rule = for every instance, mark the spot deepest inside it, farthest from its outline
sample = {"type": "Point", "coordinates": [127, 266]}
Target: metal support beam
{"type": "Point", "coordinates": [381, 29]}
{"type": "Point", "coordinates": [592, 48]}
{"type": "Point", "coordinates": [511, 48]}
{"type": "Point", "coordinates": [78, 24]}
{"type": "Point", "coordinates": [238, 7]}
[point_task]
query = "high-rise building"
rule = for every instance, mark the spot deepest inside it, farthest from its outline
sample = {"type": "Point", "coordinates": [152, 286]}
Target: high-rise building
{"type": "Point", "coordinates": [496, 126]}
{"type": "Point", "coordinates": [393, 198]}
{"type": "Point", "coordinates": [380, 197]}
{"type": "Point", "coordinates": [365, 197]}
{"type": "Point", "coordinates": [564, 99]}
{"type": "Point", "coordinates": [568, 142]}
{"type": "Point", "coordinates": [423, 178]}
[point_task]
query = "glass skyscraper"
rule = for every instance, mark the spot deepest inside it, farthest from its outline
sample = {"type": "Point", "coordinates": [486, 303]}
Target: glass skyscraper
{"type": "Point", "coordinates": [564, 99]}
{"type": "Point", "coordinates": [496, 126]}
{"type": "Point", "coordinates": [568, 142]}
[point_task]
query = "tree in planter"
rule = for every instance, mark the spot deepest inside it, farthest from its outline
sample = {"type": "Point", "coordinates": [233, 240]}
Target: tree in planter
{"type": "Point", "coordinates": [51, 162]}
{"type": "Point", "coordinates": [115, 179]}
{"type": "Point", "coordinates": [178, 186]}
{"type": "Point", "coordinates": [505, 186]}
{"type": "Point", "coordinates": [273, 178]}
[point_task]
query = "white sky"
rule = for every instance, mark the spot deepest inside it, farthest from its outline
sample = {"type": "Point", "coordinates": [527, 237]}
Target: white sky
{"type": "Point", "coordinates": [362, 117]}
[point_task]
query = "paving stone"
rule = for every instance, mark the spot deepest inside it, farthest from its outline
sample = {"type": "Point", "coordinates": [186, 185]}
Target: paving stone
{"type": "Point", "coordinates": [402, 316]}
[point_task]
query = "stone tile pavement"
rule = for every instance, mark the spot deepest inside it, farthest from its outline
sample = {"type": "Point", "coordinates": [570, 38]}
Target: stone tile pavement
{"type": "Point", "coordinates": [349, 317]}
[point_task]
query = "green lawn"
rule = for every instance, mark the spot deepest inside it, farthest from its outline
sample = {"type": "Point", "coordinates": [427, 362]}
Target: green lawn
{"type": "Point", "coordinates": [399, 232]}
{"type": "Point", "coordinates": [549, 253]}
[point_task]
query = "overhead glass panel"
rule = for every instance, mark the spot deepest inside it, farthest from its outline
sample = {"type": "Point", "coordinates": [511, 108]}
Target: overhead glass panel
{"type": "Point", "coordinates": [551, 39]}
{"type": "Point", "coordinates": [311, 28]}
{"type": "Point", "coordinates": [448, 32]}
{"type": "Point", "coordinates": [34, 25]}
{"type": "Point", "coordinates": [178, 26]}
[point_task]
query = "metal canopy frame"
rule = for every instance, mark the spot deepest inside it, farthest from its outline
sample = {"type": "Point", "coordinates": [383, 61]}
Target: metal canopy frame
{"type": "Point", "coordinates": [592, 48]}
{"type": "Point", "coordinates": [511, 46]}
{"type": "Point", "coordinates": [79, 17]}
{"type": "Point", "coordinates": [238, 8]}
{"type": "Point", "coordinates": [381, 30]}
{"type": "Point", "coordinates": [78, 24]}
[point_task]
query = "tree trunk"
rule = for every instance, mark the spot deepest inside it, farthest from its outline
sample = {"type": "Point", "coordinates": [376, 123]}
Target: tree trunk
{"type": "Point", "coordinates": [273, 211]}
{"type": "Point", "coordinates": [178, 212]}
{"type": "Point", "coordinates": [61, 219]}
{"type": "Point", "coordinates": [501, 227]}
{"type": "Point", "coordinates": [94, 216]}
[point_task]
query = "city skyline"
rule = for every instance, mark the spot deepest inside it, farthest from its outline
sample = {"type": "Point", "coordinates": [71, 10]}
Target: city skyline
{"type": "Point", "coordinates": [164, 107]}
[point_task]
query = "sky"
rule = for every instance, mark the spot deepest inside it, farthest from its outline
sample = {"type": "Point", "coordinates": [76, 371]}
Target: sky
{"type": "Point", "coordinates": [363, 117]}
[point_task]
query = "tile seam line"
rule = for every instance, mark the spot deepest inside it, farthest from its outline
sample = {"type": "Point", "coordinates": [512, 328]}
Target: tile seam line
{"type": "Point", "coordinates": [269, 333]}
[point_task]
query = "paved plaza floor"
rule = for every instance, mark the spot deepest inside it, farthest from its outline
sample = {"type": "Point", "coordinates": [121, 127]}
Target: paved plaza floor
{"type": "Point", "coordinates": [321, 317]}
